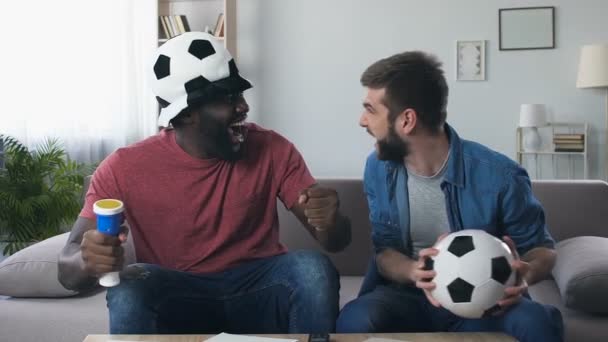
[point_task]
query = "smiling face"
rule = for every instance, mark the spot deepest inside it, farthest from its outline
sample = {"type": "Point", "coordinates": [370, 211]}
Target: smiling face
{"type": "Point", "coordinates": [222, 126]}
{"type": "Point", "coordinates": [378, 122]}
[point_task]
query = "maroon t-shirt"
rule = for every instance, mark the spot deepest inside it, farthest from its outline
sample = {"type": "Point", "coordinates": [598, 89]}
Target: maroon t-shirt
{"type": "Point", "coordinates": [202, 216]}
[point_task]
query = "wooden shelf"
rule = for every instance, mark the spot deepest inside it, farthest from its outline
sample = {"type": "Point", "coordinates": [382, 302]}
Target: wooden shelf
{"type": "Point", "coordinates": [202, 15]}
{"type": "Point", "coordinates": [539, 158]}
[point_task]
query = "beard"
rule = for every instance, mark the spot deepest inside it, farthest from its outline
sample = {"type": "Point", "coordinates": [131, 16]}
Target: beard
{"type": "Point", "coordinates": [392, 147]}
{"type": "Point", "coordinates": [217, 139]}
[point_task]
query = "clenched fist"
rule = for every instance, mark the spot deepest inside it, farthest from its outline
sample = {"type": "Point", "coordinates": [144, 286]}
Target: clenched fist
{"type": "Point", "coordinates": [320, 207]}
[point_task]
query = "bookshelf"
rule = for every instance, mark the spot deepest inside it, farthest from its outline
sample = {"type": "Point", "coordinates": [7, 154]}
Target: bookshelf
{"type": "Point", "coordinates": [557, 153]}
{"type": "Point", "coordinates": [202, 14]}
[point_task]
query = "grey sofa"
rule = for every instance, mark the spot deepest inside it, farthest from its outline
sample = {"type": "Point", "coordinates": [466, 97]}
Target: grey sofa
{"type": "Point", "coordinates": [573, 208]}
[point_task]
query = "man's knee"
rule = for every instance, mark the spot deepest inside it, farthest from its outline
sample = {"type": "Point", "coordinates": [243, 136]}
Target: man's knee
{"type": "Point", "coordinates": [134, 289]}
{"type": "Point", "coordinates": [356, 317]}
{"type": "Point", "coordinates": [534, 314]}
{"type": "Point", "coordinates": [313, 274]}
{"type": "Point", "coordinates": [532, 319]}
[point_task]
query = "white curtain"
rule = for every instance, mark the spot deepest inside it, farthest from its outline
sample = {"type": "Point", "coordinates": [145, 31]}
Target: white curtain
{"type": "Point", "coordinates": [78, 70]}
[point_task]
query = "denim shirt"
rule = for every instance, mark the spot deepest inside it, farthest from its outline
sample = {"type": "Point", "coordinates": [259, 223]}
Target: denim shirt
{"type": "Point", "coordinates": [483, 190]}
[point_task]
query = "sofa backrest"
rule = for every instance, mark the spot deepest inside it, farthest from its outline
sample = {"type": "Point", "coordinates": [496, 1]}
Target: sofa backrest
{"type": "Point", "coordinates": [354, 259]}
{"type": "Point", "coordinates": [572, 208]}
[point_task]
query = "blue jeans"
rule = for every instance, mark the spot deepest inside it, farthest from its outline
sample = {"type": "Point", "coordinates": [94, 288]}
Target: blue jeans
{"type": "Point", "coordinates": [295, 292]}
{"type": "Point", "coordinates": [406, 309]}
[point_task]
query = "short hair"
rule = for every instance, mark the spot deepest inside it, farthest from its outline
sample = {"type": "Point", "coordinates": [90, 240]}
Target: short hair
{"type": "Point", "coordinates": [412, 79]}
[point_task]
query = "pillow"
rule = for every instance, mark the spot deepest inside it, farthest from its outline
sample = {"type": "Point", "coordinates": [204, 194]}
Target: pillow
{"type": "Point", "coordinates": [581, 273]}
{"type": "Point", "coordinates": [32, 272]}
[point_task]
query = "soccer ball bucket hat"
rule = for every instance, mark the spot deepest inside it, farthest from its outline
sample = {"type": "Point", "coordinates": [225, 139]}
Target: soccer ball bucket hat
{"type": "Point", "coordinates": [190, 69]}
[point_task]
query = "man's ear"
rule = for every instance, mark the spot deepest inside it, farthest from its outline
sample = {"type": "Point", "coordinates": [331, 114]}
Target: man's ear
{"type": "Point", "coordinates": [406, 121]}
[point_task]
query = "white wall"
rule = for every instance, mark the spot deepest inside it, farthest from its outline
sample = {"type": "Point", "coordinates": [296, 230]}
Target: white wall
{"type": "Point", "coordinates": [305, 59]}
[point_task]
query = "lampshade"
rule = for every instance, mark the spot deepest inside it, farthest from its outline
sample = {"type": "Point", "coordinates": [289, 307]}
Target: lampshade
{"type": "Point", "coordinates": [532, 115]}
{"type": "Point", "coordinates": [593, 66]}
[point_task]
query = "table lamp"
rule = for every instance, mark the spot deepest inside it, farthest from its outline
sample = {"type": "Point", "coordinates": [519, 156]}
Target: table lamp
{"type": "Point", "coordinates": [593, 73]}
{"type": "Point", "coordinates": [532, 116]}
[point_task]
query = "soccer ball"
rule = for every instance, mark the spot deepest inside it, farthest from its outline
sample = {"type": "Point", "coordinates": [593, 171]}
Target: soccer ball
{"type": "Point", "coordinates": [187, 67]}
{"type": "Point", "coordinates": [473, 269]}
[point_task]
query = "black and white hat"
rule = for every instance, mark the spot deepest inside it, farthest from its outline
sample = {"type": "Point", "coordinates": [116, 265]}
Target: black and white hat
{"type": "Point", "coordinates": [191, 68]}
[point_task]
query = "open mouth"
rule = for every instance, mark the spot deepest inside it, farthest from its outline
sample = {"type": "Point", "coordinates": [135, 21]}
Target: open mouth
{"type": "Point", "coordinates": [238, 130]}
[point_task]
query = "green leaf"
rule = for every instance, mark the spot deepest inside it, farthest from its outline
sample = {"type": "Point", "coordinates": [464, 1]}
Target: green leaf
{"type": "Point", "coordinates": [40, 191]}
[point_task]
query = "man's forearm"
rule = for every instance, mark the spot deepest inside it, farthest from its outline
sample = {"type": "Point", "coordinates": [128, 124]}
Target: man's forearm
{"type": "Point", "coordinates": [395, 266]}
{"type": "Point", "coordinates": [336, 238]}
{"type": "Point", "coordinates": [71, 271]}
{"type": "Point", "coordinates": [541, 261]}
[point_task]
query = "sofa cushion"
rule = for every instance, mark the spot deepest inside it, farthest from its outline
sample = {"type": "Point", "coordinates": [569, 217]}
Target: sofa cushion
{"type": "Point", "coordinates": [578, 325]}
{"type": "Point", "coordinates": [67, 319]}
{"type": "Point", "coordinates": [581, 273]}
{"type": "Point", "coordinates": [32, 272]}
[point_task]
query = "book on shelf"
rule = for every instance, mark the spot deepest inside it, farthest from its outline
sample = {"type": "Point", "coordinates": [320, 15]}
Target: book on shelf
{"type": "Point", "coordinates": [569, 150]}
{"type": "Point", "coordinates": [219, 26]}
{"type": "Point", "coordinates": [185, 23]}
{"type": "Point", "coordinates": [172, 25]}
{"type": "Point", "coordinates": [570, 145]}
{"type": "Point", "coordinates": [568, 141]}
{"type": "Point", "coordinates": [179, 23]}
{"type": "Point", "coordinates": [569, 136]}
{"type": "Point", "coordinates": [182, 23]}
{"type": "Point", "coordinates": [169, 27]}
{"type": "Point", "coordinates": [163, 30]}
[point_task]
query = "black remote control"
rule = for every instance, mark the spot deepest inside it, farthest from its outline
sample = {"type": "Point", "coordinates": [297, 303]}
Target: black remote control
{"type": "Point", "coordinates": [318, 338]}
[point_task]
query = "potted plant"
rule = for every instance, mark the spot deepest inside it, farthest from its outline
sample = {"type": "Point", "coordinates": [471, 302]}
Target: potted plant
{"type": "Point", "coordinates": [40, 192]}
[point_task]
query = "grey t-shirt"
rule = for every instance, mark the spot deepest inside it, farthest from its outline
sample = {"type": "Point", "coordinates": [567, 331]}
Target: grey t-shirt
{"type": "Point", "coordinates": [428, 215]}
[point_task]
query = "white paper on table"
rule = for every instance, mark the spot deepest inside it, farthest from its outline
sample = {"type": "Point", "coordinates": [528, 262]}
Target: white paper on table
{"type": "Point", "coordinates": [376, 339]}
{"type": "Point", "coordinates": [132, 340]}
{"type": "Point", "coordinates": [223, 337]}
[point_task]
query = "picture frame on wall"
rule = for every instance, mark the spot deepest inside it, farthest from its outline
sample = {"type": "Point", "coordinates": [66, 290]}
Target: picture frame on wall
{"type": "Point", "coordinates": [471, 60]}
{"type": "Point", "coordinates": [526, 28]}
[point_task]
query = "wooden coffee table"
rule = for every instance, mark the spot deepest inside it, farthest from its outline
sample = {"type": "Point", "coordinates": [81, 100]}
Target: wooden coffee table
{"type": "Point", "coordinates": [412, 337]}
